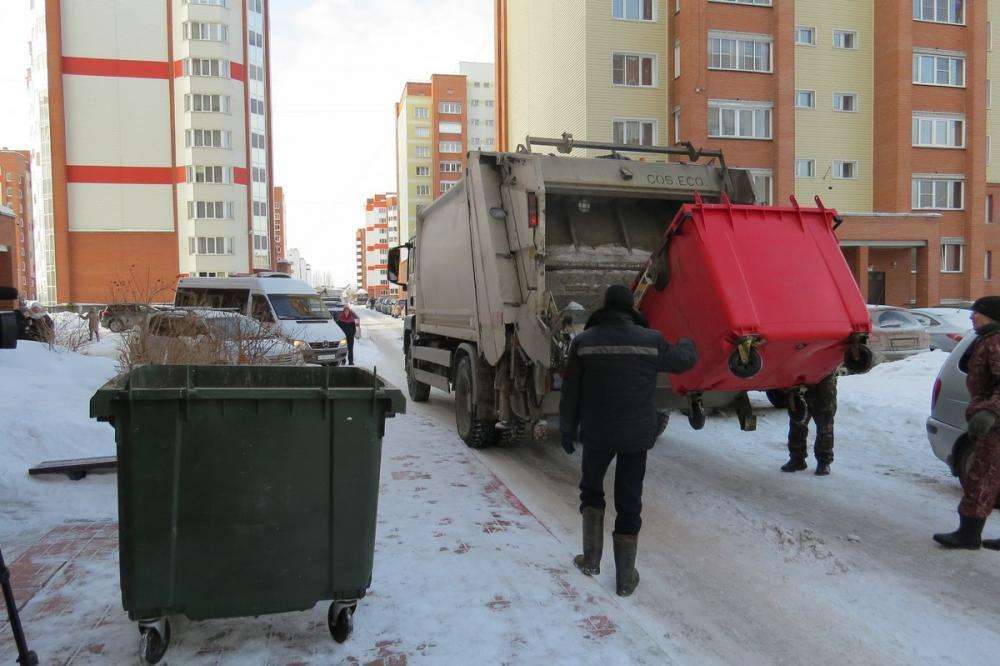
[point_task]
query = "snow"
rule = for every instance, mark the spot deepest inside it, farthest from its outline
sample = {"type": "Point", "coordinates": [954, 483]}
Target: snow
{"type": "Point", "coordinates": [740, 563]}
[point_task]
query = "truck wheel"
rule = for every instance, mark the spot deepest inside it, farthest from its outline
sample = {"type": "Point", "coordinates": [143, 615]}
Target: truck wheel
{"type": "Point", "coordinates": [419, 392]}
{"type": "Point", "coordinates": [518, 432]}
{"type": "Point", "coordinates": [475, 432]}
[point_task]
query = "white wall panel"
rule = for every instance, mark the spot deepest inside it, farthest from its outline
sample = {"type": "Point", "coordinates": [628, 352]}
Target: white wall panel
{"type": "Point", "coordinates": [99, 207]}
{"type": "Point", "coordinates": [115, 29]}
{"type": "Point", "coordinates": [117, 122]}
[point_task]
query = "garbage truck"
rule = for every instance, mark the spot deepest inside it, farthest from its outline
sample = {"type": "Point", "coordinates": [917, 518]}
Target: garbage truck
{"type": "Point", "coordinates": [504, 269]}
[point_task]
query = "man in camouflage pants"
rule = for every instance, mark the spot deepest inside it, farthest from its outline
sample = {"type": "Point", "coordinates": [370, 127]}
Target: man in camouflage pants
{"type": "Point", "coordinates": [821, 399]}
{"type": "Point", "coordinates": [981, 485]}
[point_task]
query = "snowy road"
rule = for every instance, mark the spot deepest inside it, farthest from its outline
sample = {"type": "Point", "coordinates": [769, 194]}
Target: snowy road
{"type": "Point", "coordinates": [741, 563]}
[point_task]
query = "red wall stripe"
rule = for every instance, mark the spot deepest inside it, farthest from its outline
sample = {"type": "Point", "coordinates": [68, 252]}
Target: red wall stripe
{"type": "Point", "coordinates": [118, 175]}
{"type": "Point", "coordinates": [237, 71]}
{"type": "Point", "coordinates": [241, 176]}
{"type": "Point", "coordinates": [181, 174]}
{"type": "Point", "coordinates": [178, 69]}
{"type": "Point", "coordinates": [135, 69]}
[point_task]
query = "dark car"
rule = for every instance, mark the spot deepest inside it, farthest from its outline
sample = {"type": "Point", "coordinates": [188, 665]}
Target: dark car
{"type": "Point", "coordinates": [119, 317]}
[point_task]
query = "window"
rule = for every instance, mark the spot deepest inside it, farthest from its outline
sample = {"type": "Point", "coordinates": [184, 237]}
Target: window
{"type": "Point", "coordinates": [488, 104]}
{"type": "Point", "coordinates": [677, 58]}
{"type": "Point", "coordinates": [845, 39]}
{"type": "Point", "coordinates": [214, 3]}
{"type": "Point", "coordinates": [739, 120]}
{"type": "Point", "coordinates": [255, 38]}
{"type": "Point", "coordinates": [939, 11]}
{"type": "Point", "coordinates": [939, 70]}
{"type": "Point", "coordinates": [805, 99]}
{"type": "Point", "coordinates": [211, 210]}
{"type": "Point", "coordinates": [450, 147]}
{"type": "Point", "coordinates": [677, 125]}
{"type": "Point", "coordinates": [989, 209]}
{"type": "Point", "coordinates": [761, 3]}
{"type": "Point", "coordinates": [423, 151]}
{"type": "Point", "coordinates": [255, 73]}
{"type": "Point", "coordinates": [952, 256]}
{"type": "Point", "coordinates": [209, 174]}
{"type": "Point", "coordinates": [939, 131]}
{"type": "Point", "coordinates": [451, 167]}
{"type": "Point", "coordinates": [207, 138]}
{"type": "Point", "coordinates": [489, 122]}
{"type": "Point", "coordinates": [845, 169]}
{"type": "Point", "coordinates": [805, 36]}
{"type": "Point", "coordinates": [450, 128]}
{"type": "Point", "coordinates": [762, 180]}
{"type": "Point", "coordinates": [421, 113]}
{"type": "Point", "coordinates": [747, 54]}
{"type": "Point", "coordinates": [207, 103]}
{"type": "Point", "coordinates": [989, 94]}
{"type": "Point", "coordinates": [805, 167]}
{"type": "Point", "coordinates": [632, 10]}
{"type": "Point", "coordinates": [936, 193]}
{"type": "Point", "coordinates": [260, 209]}
{"type": "Point", "coordinates": [447, 185]}
{"type": "Point", "coordinates": [206, 67]}
{"type": "Point", "coordinates": [988, 266]}
{"type": "Point", "coordinates": [210, 245]}
{"type": "Point", "coordinates": [634, 71]}
{"type": "Point", "coordinates": [450, 107]}
{"type": "Point", "coordinates": [258, 140]}
{"type": "Point", "coordinates": [423, 171]}
{"type": "Point", "coordinates": [258, 175]}
{"type": "Point", "coordinates": [423, 190]}
{"type": "Point", "coordinates": [635, 132]}
{"type": "Point", "coordinates": [211, 32]}
{"type": "Point", "coordinates": [473, 102]}
{"type": "Point", "coordinates": [422, 132]}
{"type": "Point", "coordinates": [256, 106]}
{"type": "Point", "coordinates": [846, 102]}
{"type": "Point", "coordinates": [256, 6]}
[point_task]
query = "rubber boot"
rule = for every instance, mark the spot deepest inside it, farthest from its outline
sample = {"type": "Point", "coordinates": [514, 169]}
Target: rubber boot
{"type": "Point", "coordinates": [593, 542]}
{"type": "Point", "coordinates": [968, 536]}
{"type": "Point", "coordinates": [626, 577]}
{"type": "Point", "coordinates": [794, 465]}
{"type": "Point", "coordinates": [822, 468]}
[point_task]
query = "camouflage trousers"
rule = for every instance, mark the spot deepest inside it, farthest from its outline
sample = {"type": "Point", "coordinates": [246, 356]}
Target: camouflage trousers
{"type": "Point", "coordinates": [981, 485]}
{"type": "Point", "coordinates": [822, 402]}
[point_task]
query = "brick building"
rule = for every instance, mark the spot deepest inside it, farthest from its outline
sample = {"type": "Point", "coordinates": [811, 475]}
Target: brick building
{"type": "Point", "coordinates": [881, 107]}
{"type": "Point", "coordinates": [381, 231]}
{"type": "Point", "coordinates": [15, 194]}
{"type": "Point", "coordinates": [437, 123]}
{"type": "Point", "coordinates": [8, 232]}
{"type": "Point", "coordinates": [153, 143]}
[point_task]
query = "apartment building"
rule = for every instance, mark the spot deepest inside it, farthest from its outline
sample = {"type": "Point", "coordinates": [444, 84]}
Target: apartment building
{"type": "Point", "coordinates": [881, 108]}
{"type": "Point", "coordinates": [278, 227]}
{"type": "Point", "coordinates": [298, 267]}
{"type": "Point", "coordinates": [437, 123]}
{"type": "Point", "coordinates": [381, 231]}
{"type": "Point", "coordinates": [153, 142]}
{"type": "Point", "coordinates": [15, 194]}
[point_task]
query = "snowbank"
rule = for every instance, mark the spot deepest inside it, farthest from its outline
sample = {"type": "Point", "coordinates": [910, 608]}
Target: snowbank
{"type": "Point", "coordinates": [45, 399]}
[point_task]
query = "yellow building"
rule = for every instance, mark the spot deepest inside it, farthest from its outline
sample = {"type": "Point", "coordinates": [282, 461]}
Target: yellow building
{"type": "Point", "coordinates": [413, 154]}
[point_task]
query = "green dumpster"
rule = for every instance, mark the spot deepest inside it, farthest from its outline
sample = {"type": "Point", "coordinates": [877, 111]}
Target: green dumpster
{"type": "Point", "coordinates": [245, 490]}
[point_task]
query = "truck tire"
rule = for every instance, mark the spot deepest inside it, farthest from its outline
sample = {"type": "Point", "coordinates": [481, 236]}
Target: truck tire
{"type": "Point", "coordinates": [419, 392]}
{"type": "Point", "coordinates": [518, 432]}
{"type": "Point", "coordinates": [475, 432]}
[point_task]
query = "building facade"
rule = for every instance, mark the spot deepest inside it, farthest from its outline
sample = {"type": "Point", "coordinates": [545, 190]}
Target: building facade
{"type": "Point", "coordinates": [882, 108]}
{"type": "Point", "coordinates": [299, 268]}
{"type": "Point", "coordinates": [381, 231]}
{"type": "Point", "coordinates": [153, 145]}
{"type": "Point", "coordinates": [437, 123]}
{"type": "Point", "coordinates": [278, 226]}
{"type": "Point", "coordinates": [15, 193]}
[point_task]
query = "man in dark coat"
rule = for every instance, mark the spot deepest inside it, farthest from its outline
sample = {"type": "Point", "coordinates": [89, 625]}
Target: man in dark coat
{"type": "Point", "coordinates": [981, 485]}
{"type": "Point", "coordinates": [608, 405]}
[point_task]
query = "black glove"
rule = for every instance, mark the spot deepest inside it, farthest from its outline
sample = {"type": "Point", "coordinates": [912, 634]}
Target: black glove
{"type": "Point", "coordinates": [567, 444]}
{"type": "Point", "coordinates": [981, 423]}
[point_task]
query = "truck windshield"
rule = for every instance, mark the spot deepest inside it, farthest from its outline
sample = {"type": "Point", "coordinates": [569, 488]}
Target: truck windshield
{"type": "Point", "coordinates": [299, 306]}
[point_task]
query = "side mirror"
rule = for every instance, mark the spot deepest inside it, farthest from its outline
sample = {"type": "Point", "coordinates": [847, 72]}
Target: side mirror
{"type": "Point", "coordinates": [392, 270]}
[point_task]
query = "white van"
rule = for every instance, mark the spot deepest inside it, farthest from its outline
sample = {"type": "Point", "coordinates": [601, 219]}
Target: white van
{"type": "Point", "coordinates": [276, 300]}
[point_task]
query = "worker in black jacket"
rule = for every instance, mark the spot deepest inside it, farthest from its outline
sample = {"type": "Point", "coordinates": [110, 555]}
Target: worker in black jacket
{"type": "Point", "coordinates": [608, 405]}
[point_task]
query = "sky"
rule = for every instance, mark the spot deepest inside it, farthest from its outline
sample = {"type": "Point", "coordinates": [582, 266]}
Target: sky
{"type": "Point", "coordinates": [338, 67]}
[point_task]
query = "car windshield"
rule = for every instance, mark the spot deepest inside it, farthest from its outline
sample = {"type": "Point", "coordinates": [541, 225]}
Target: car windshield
{"type": "Point", "coordinates": [896, 319]}
{"type": "Point", "coordinates": [299, 306]}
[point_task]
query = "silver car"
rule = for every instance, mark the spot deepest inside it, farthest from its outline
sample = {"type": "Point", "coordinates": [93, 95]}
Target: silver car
{"type": "Point", "coordinates": [946, 425]}
{"type": "Point", "coordinates": [896, 334]}
{"type": "Point", "coordinates": [947, 326]}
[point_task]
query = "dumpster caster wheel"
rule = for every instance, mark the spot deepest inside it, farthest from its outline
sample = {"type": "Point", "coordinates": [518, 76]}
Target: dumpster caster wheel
{"type": "Point", "coordinates": [696, 417]}
{"type": "Point", "coordinates": [748, 368]}
{"type": "Point", "coordinates": [340, 619]}
{"type": "Point", "coordinates": [154, 639]}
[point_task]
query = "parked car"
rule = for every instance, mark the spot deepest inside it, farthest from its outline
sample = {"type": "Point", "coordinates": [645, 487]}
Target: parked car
{"type": "Point", "coordinates": [896, 334]}
{"type": "Point", "coordinates": [947, 326]}
{"type": "Point", "coordinates": [119, 317]}
{"type": "Point", "coordinates": [201, 336]}
{"type": "Point", "coordinates": [946, 426]}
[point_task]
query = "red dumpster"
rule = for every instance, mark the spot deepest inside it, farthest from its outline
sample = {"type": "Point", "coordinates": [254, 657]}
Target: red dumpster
{"type": "Point", "coordinates": [764, 292]}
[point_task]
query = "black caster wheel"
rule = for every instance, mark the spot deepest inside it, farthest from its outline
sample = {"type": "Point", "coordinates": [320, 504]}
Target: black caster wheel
{"type": "Point", "coordinates": [340, 619]}
{"type": "Point", "coordinates": [745, 370]}
{"type": "Point", "coordinates": [859, 361]}
{"type": "Point", "coordinates": [697, 417]}
{"type": "Point", "coordinates": [152, 644]}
